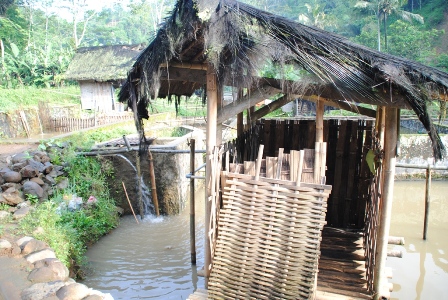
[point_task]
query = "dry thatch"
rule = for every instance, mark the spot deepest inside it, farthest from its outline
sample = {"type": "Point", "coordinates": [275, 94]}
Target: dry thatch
{"type": "Point", "coordinates": [105, 63]}
{"type": "Point", "coordinates": [239, 39]}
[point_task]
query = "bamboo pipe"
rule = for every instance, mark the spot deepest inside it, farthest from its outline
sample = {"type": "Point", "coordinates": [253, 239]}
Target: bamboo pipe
{"type": "Point", "coordinates": [152, 178]}
{"type": "Point", "coordinates": [130, 205]}
{"type": "Point", "coordinates": [139, 184]}
{"type": "Point", "coordinates": [427, 200]}
{"type": "Point", "coordinates": [192, 206]}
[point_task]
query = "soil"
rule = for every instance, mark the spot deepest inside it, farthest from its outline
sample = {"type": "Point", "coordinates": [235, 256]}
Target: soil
{"type": "Point", "coordinates": [11, 149]}
{"type": "Point", "coordinates": [13, 281]}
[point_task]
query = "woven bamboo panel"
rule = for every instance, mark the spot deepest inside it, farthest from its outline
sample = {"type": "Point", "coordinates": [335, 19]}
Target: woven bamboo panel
{"type": "Point", "coordinates": [268, 243]}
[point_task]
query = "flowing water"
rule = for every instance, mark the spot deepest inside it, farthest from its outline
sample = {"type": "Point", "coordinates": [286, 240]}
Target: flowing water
{"type": "Point", "coordinates": [152, 260]}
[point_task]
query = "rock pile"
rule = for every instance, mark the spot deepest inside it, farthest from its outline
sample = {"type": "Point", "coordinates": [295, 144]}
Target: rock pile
{"type": "Point", "coordinates": [48, 277]}
{"type": "Point", "coordinates": [29, 176]}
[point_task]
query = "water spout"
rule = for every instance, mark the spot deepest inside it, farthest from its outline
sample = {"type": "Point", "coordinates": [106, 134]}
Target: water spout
{"type": "Point", "coordinates": [148, 207]}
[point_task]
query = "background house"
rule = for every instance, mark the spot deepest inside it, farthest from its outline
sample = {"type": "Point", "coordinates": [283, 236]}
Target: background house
{"type": "Point", "coordinates": [99, 70]}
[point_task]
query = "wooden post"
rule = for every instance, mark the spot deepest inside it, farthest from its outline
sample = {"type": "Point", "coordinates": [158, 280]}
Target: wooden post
{"type": "Point", "coordinates": [192, 200]}
{"type": "Point", "coordinates": [139, 185]}
{"type": "Point", "coordinates": [240, 117]}
{"type": "Point", "coordinates": [155, 200]}
{"type": "Point", "coordinates": [320, 121]}
{"type": "Point", "coordinates": [427, 199]}
{"type": "Point", "coordinates": [212, 116]}
{"type": "Point", "coordinates": [250, 113]}
{"type": "Point", "coordinates": [390, 144]}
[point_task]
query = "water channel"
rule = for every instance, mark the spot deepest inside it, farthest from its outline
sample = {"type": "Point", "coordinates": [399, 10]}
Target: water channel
{"type": "Point", "coordinates": [152, 260]}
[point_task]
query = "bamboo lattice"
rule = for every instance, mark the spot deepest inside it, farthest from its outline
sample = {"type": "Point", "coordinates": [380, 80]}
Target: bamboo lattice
{"type": "Point", "coordinates": [269, 233]}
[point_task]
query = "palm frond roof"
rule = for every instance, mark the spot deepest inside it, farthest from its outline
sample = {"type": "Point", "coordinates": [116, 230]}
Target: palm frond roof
{"type": "Point", "coordinates": [238, 40]}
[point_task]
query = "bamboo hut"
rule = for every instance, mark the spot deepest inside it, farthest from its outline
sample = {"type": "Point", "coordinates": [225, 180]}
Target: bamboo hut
{"type": "Point", "coordinates": [99, 70]}
{"type": "Point", "coordinates": [211, 44]}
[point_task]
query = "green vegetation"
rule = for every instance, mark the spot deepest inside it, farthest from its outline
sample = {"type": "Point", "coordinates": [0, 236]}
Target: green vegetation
{"type": "Point", "coordinates": [69, 231]}
{"type": "Point", "coordinates": [29, 96]}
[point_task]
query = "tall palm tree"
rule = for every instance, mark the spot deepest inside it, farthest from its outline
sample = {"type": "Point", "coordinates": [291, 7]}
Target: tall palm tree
{"type": "Point", "coordinates": [384, 8]}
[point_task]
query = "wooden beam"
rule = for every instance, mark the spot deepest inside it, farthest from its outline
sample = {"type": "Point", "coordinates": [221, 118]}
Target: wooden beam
{"type": "Point", "coordinates": [260, 113]}
{"type": "Point", "coordinates": [341, 105]}
{"type": "Point", "coordinates": [249, 100]}
{"type": "Point", "coordinates": [212, 109]}
{"type": "Point", "coordinates": [390, 152]}
{"type": "Point", "coordinates": [191, 66]}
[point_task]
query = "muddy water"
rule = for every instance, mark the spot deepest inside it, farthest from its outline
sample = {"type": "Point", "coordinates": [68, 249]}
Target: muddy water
{"type": "Point", "coordinates": [150, 260]}
{"type": "Point", "coordinates": [422, 273]}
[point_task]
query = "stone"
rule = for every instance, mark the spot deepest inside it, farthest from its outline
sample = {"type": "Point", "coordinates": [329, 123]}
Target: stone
{"type": "Point", "coordinates": [44, 159]}
{"type": "Point", "coordinates": [119, 210]}
{"type": "Point", "coordinates": [75, 291]}
{"type": "Point", "coordinates": [21, 212]}
{"type": "Point", "coordinates": [63, 183]}
{"type": "Point", "coordinates": [18, 166]}
{"type": "Point", "coordinates": [47, 270]}
{"type": "Point", "coordinates": [37, 165]}
{"type": "Point", "coordinates": [5, 244]}
{"type": "Point", "coordinates": [22, 241]}
{"type": "Point", "coordinates": [40, 291]}
{"type": "Point", "coordinates": [12, 176]}
{"type": "Point", "coordinates": [48, 167]}
{"type": "Point", "coordinates": [50, 180]}
{"type": "Point", "coordinates": [20, 157]}
{"type": "Point", "coordinates": [39, 230]}
{"type": "Point", "coordinates": [29, 172]}
{"type": "Point", "coordinates": [39, 255]}
{"type": "Point", "coordinates": [2, 181]}
{"type": "Point", "coordinates": [8, 185]}
{"type": "Point", "coordinates": [4, 214]}
{"type": "Point", "coordinates": [32, 188]}
{"type": "Point", "coordinates": [32, 246]}
{"type": "Point", "coordinates": [38, 181]}
{"type": "Point", "coordinates": [93, 297]}
{"type": "Point", "coordinates": [4, 170]}
{"type": "Point", "coordinates": [12, 196]}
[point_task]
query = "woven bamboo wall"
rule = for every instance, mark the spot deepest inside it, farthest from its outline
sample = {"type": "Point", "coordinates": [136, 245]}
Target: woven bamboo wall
{"type": "Point", "coordinates": [348, 142]}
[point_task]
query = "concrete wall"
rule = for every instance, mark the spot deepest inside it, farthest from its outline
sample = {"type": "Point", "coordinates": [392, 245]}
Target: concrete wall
{"type": "Point", "coordinates": [417, 149]}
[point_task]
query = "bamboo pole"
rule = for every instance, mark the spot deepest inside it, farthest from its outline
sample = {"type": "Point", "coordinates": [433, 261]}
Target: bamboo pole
{"type": "Point", "coordinates": [192, 204]}
{"type": "Point", "coordinates": [320, 106]}
{"type": "Point", "coordinates": [427, 200]}
{"type": "Point", "coordinates": [390, 144]}
{"type": "Point", "coordinates": [139, 185]}
{"type": "Point", "coordinates": [129, 201]}
{"type": "Point", "coordinates": [212, 116]}
{"type": "Point", "coordinates": [152, 179]}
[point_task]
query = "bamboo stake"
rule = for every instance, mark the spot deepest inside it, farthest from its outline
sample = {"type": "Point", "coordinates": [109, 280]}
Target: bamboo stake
{"type": "Point", "coordinates": [139, 184]}
{"type": "Point", "coordinates": [152, 178]}
{"type": "Point", "coordinates": [300, 171]}
{"type": "Point", "coordinates": [130, 205]}
{"type": "Point", "coordinates": [258, 163]}
{"type": "Point", "coordinates": [192, 205]}
{"type": "Point", "coordinates": [427, 199]}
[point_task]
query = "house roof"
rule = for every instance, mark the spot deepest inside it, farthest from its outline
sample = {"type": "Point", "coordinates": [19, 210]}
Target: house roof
{"type": "Point", "coordinates": [238, 40]}
{"type": "Point", "coordinates": [103, 63]}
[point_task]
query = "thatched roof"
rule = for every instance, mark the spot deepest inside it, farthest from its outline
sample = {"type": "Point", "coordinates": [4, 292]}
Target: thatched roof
{"type": "Point", "coordinates": [104, 63]}
{"type": "Point", "coordinates": [238, 39]}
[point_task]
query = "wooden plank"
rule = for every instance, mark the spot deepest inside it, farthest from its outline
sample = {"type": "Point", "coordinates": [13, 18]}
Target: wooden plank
{"type": "Point", "coordinates": [268, 149]}
{"type": "Point", "coordinates": [249, 168]}
{"type": "Point", "coordinates": [279, 134]}
{"type": "Point", "coordinates": [337, 175]}
{"type": "Point", "coordinates": [351, 165]}
{"type": "Point", "coordinates": [365, 176]}
{"type": "Point", "coordinates": [295, 135]}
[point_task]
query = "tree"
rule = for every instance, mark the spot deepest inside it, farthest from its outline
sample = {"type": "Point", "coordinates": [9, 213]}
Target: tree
{"type": "Point", "coordinates": [315, 15]}
{"type": "Point", "coordinates": [384, 8]}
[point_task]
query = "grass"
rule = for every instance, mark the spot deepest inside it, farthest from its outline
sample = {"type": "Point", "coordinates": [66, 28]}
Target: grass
{"type": "Point", "coordinates": [69, 232]}
{"type": "Point", "coordinates": [26, 97]}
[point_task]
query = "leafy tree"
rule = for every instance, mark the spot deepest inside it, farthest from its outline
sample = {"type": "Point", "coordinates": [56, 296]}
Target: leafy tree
{"type": "Point", "coordinates": [384, 8]}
